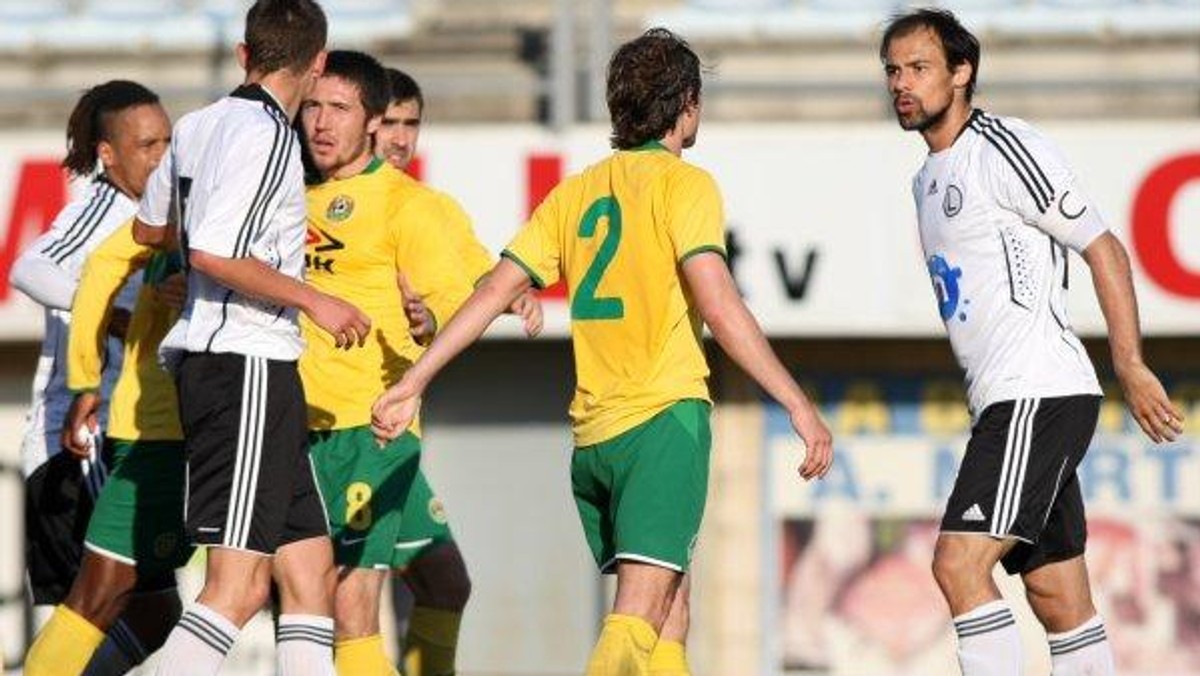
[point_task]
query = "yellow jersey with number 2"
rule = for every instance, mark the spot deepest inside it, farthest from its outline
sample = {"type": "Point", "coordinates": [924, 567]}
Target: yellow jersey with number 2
{"type": "Point", "coordinates": [618, 234]}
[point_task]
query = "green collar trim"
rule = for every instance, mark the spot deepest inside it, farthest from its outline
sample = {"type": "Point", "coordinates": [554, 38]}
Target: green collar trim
{"type": "Point", "coordinates": [649, 145]}
{"type": "Point", "coordinates": [375, 164]}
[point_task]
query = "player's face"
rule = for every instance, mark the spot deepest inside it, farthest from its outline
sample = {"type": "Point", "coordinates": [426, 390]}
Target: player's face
{"type": "Point", "coordinates": [920, 81]}
{"type": "Point", "coordinates": [336, 126]}
{"type": "Point", "coordinates": [139, 137]}
{"type": "Point", "coordinates": [396, 139]}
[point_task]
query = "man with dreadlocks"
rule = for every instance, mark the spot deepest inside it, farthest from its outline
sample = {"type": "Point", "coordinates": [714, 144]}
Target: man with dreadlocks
{"type": "Point", "coordinates": [116, 136]}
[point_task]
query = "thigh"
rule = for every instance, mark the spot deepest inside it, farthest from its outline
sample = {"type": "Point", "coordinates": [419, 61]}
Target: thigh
{"type": "Point", "coordinates": [424, 525]}
{"type": "Point", "coordinates": [58, 505]}
{"type": "Point", "coordinates": [661, 485]}
{"type": "Point", "coordinates": [590, 485]}
{"type": "Point", "coordinates": [364, 489]}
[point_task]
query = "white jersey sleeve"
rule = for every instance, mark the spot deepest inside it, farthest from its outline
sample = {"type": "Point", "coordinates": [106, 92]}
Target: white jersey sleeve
{"type": "Point", "coordinates": [1029, 176]}
{"type": "Point", "coordinates": [244, 169]}
{"type": "Point", "coordinates": [154, 209]}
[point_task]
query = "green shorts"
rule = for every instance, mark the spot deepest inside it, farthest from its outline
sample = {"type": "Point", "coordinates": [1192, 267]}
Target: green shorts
{"type": "Point", "coordinates": [424, 526]}
{"type": "Point", "coordinates": [365, 488]}
{"type": "Point", "coordinates": [138, 518]}
{"type": "Point", "coordinates": [641, 494]}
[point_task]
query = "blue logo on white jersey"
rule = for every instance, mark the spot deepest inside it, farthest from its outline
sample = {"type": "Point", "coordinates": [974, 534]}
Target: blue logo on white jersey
{"type": "Point", "coordinates": [945, 286]}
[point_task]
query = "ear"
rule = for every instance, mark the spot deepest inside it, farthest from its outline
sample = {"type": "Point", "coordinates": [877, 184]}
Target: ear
{"type": "Point", "coordinates": [243, 54]}
{"type": "Point", "coordinates": [318, 64]}
{"type": "Point", "coordinates": [373, 124]}
{"type": "Point", "coordinates": [961, 75]}
{"type": "Point", "coordinates": [104, 151]}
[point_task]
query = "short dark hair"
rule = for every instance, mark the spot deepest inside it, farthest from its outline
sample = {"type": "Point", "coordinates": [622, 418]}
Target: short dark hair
{"type": "Point", "coordinates": [91, 120]}
{"type": "Point", "coordinates": [651, 80]}
{"type": "Point", "coordinates": [284, 34]}
{"type": "Point", "coordinates": [363, 71]}
{"type": "Point", "coordinates": [404, 88]}
{"type": "Point", "coordinates": [958, 44]}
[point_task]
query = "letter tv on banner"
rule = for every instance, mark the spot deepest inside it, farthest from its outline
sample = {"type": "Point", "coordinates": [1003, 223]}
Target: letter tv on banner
{"type": "Point", "coordinates": [822, 233]}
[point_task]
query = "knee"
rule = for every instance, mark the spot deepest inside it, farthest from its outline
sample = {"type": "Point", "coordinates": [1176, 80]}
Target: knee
{"type": "Point", "coordinates": [440, 581]}
{"type": "Point", "coordinates": [238, 598]}
{"type": "Point", "coordinates": [954, 566]}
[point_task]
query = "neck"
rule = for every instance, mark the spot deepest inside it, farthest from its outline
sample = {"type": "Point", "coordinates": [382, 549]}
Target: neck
{"type": "Point", "coordinates": [352, 168]}
{"type": "Point", "coordinates": [673, 142]}
{"type": "Point", "coordinates": [281, 84]}
{"type": "Point", "coordinates": [122, 185]}
{"type": "Point", "coordinates": [943, 132]}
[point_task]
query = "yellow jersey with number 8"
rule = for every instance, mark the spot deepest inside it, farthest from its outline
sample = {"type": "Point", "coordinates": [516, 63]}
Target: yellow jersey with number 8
{"type": "Point", "coordinates": [618, 234]}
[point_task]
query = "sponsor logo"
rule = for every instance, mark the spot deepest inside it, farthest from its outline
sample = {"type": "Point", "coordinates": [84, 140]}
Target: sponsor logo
{"type": "Point", "coordinates": [945, 286]}
{"type": "Point", "coordinates": [975, 513]}
{"type": "Point", "coordinates": [320, 242]}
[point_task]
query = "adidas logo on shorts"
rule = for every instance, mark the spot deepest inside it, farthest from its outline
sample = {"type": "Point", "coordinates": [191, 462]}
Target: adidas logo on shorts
{"type": "Point", "coordinates": [974, 514]}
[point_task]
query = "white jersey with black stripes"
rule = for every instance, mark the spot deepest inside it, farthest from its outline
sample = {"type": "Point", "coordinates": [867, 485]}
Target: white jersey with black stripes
{"type": "Point", "coordinates": [78, 229]}
{"type": "Point", "coordinates": [234, 183]}
{"type": "Point", "coordinates": [999, 211]}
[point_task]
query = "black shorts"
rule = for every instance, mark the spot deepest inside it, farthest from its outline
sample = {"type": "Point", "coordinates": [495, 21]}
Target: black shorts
{"type": "Point", "coordinates": [250, 485]}
{"type": "Point", "coordinates": [59, 498]}
{"type": "Point", "coordinates": [1017, 479]}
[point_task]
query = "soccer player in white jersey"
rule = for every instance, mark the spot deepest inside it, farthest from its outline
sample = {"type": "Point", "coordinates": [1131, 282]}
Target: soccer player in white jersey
{"type": "Point", "coordinates": [233, 182]}
{"type": "Point", "coordinates": [999, 213]}
{"type": "Point", "coordinates": [120, 129]}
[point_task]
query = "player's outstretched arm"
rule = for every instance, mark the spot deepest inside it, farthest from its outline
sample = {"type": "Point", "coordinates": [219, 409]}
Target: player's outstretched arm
{"type": "Point", "coordinates": [395, 409]}
{"type": "Point", "coordinates": [1144, 394]}
{"type": "Point", "coordinates": [253, 278]}
{"type": "Point", "coordinates": [738, 333]}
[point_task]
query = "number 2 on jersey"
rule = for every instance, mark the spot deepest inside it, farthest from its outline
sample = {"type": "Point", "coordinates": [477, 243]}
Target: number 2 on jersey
{"type": "Point", "coordinates": [586, 305]}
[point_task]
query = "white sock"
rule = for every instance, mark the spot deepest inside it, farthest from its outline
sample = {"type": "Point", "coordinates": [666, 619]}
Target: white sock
{"type": "Point", "coordinates": [118, 655]}
{"type": "Point", "coordinates": [304, 645]}
{"type": "Point", "coordinates": [198, 644]}
{"type": "Point", "coordinates": [988, 641]}
{"type": "Point", "coordinates": [1083, 651]}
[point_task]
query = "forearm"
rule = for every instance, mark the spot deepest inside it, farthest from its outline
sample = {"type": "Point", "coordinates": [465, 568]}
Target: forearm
{"type": "Point", "coordinates": [159, 237]}
{"type": "Point", "coordinates": [491, 298]}
{"type": "Point", "coordinates": [253, 278]}
{"type": "Point", "coordinates": [1113, 282]}
{"type": "Point", "coordinates": [43, 281]}
{"type": "Point", "coordinates": [739, 335]}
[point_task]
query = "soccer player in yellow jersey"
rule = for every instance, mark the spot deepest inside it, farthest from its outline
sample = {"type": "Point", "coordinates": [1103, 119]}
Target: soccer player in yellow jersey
{"type": "Point", "coordinates": [436, 584]}
{"type": "Point", "coordinates": [135, 536]}
{"type": "Point", "coordinates": [374, 241]}
{"type": "Point", "coordinates": [639, 240]}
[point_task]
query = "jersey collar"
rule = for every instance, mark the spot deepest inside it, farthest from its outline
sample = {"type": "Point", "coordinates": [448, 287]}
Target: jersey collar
{"type": "Point", "coordinates": [649, 145]}
{"type": "Point", "coordinates": [257, 92]}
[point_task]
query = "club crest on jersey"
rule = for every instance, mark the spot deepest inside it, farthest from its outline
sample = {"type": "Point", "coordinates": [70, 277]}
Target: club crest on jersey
{"type": "Point", "coordinates": [945, 286]}
{"type": "Point", "coordinates": [952, 203]}
{"type": "Point", "coordinates": [339, 209]}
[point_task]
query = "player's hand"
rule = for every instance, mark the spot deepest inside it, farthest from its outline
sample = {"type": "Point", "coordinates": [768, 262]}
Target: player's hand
{"type": "Point", "coordinates": [394, 412]}
{"type": "Point", "coordinates": [118, 322]}
{"type": "Point", "coordinates": [80, 424]}
{"type": "Point", "coordinates": [346, 323]}
{"type": "Point", "coordinates": [818, 442]}
{"type": "Point", "coordinates": [421, 322]}
{"type": "Point", "coordinates": [528, 307]}
{"type": "Point", "coordinates": [172, 291]}
{"type": "Point", "coordinates": [1148, 402]}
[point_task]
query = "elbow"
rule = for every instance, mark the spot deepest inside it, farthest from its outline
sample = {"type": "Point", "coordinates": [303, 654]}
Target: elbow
{"type": "Point", "coordinates": [146, 235]}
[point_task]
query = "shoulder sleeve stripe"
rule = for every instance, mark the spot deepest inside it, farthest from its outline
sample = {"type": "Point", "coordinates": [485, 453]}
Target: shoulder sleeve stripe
{"type": "Point", "coordinates": [81, 235]}
{"type": "Point", "coordinates": [1036, 191]}
{"type": "Point", "coordinates": [241, 245]}
{"type": "Point", "coordinates": [289, 139]}
{"type": "Point", "coordinates": [1019, 158]}
{"type": "Point", "coordinates": [84, 222]}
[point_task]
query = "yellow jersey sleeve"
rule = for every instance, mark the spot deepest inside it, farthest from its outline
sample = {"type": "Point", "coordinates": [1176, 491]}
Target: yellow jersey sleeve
{"type": "Point", "coordinates": [695, 217]}
{"type": "Point", "coordinates": [104, 273]}
{"type": "Point", "coordinates": [476, 257]}
{"type": "Point", "coordinates": [426, 257]}
{"type": "Point", "coordinates": [537, 248]}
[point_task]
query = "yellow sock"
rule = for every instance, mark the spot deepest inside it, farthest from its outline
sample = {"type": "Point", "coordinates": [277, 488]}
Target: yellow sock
{"type": "Point", "coordinates": [623, 648]}
{"type": "Point", "coordinates": [669, 659]}
{"type": "Point", "coordinates": [362, 657]}
{"type": "Point", "coordinates": [64, 646]}
{"type": "Point", "coordinates": [432, 642]}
